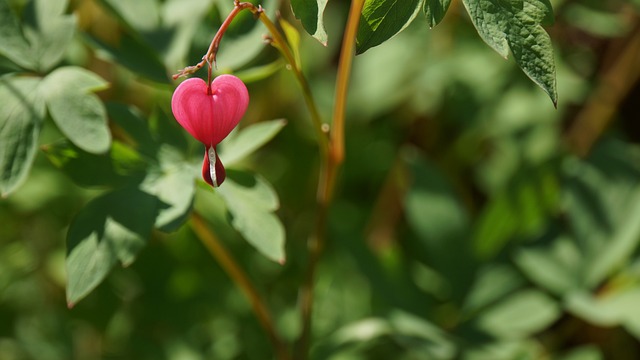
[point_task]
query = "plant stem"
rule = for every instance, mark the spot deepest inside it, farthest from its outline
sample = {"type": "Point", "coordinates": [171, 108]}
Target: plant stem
{"type": "Point", "coordinates": [328, 172]}
{"type": "Point", "coordinates": [231, 267]}
{"type": "Point", "coordinates": [282, 45]}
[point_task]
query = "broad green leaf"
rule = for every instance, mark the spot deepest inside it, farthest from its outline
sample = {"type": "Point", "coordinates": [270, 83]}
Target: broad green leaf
{"type": "Point", "coordinates": [311, 13]}
{"type": "Point", "coordinates": [110, 229]}
{"type": "Point", "coordinates": [48, 31]}
{"type": "Point", "coordinates": [519, 315]}
{"type": "Point", "coordinates": [173, 183]}
{"type": "Point", "coordinates": [493, 283]}
{"type": "Point", "coordinates": [13, 45]}
{"type": "Point", "coordinates": [517, 25]}
{"type": "Point", "coordinates": [21, 115]}
{"type": "Point", "coordinates": [120, 166]}
{"type": "Point", "coordinates": [382, 19]}
{"type": "Point", "coordinates": [251, 202]}
{"type": "Point", "coordinates": [79, 114]}
{"type": "Point", "coordinates": [249, 139]}
{"type": "Point", "coordinates": [435, 10]}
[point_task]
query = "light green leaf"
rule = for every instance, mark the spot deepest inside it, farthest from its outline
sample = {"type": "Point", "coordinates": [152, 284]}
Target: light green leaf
{"type": "Point", "coordinates": [249, 139]}
{"type": "Point", "coordinates": [382, 19]}
{"type": "Point", "coordinates": [516, 25]}
{"type": "Point", "coordinates": [435, 10]}
{"type": "Point", "coordinates": [310, 13]}
{"type": "Point", "coordinates": [111, 228]}
{"type": "Point", "coordinates": [13, 45]}
{"type": "Point", "coordinates": [48, 31]}
{"type": "Point", "coordinates": [519, 315]}
{"type": "Point", "coordinates": [21, 116]}
{"type": "Point", "coordinates": [173, 183]}
{"type": "Point", "coordinates": [293, 38]}
{"type": "Point", "coordinates": [80, 115]}
{"type": "Point", "coordinates": [251, 201]}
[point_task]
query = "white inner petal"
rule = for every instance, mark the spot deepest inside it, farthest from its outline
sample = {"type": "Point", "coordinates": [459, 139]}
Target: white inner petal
{"type": "Point", "coordinates": [212, 166]}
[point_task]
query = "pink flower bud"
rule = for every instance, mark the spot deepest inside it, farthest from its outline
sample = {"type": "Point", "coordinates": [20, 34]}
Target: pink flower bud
{"type": "Point", "coordinates": [209, 115]}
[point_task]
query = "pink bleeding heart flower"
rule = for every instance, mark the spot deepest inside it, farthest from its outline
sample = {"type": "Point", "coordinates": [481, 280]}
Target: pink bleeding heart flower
{"type": "Point", "coordinates": [209, 114]}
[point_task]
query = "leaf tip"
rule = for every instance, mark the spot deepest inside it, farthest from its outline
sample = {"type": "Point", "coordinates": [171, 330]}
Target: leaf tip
{"type": "Point", "coordinates": [282, 261]}
{"type": "Point", "coordinates": [70, 304]}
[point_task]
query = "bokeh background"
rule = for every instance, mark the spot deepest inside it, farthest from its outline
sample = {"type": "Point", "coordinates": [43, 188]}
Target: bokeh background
{"type": "Point", "coordinates": [472, 220]}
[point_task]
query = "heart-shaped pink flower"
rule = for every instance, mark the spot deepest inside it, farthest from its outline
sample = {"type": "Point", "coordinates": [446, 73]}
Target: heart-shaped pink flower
{"type": "Point", "coordinates": [209, 114]}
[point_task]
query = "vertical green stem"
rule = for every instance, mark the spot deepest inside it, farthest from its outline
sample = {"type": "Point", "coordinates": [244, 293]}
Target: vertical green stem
{"type": "Point", "coordinates": [330, 165]}
{"type": "Point", "coordinates": [241, 279]}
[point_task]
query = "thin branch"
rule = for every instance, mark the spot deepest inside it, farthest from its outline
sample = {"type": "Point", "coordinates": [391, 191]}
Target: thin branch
{"type": "Point", "coordinates": [231, 267]}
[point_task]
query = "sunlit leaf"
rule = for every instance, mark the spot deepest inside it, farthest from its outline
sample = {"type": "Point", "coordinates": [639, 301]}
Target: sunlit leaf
{"type": "Point", "coordinates": [517, 26]}
{"type": "Point", "coordinates": [110, 229]}
{"type": "Point", "coordinates": [21, 116]}
{"type": "Point", "coordinates": [142, 15]}
{"type": "Point", "coordinates": [79, 114]}
{"type": "Point", "coordinates": [251, 202]}
{"type": "Point", "coordinates": [311, 13]}
{"type": "Point", "coordinates": [249, 139]}
{"type": "Point", "coordinates": [382, 19]}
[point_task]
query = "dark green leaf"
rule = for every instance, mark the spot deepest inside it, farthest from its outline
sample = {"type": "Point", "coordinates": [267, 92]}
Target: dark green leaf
{"type": "Point", "coordinates": [435, 10]}
{"type": "Point", "coordinates": [135, 128]}
{"type": "Point", "coordinates": [251, 202]}
{"type": "Point", "coordinates": [133, 54]}
{"type": "Point", "coordinates": [516, 25]}
{"type": "Point", "coordinates": [21, 116]}
{"type": "Point", "coordinates": [165, 130]}
{"type": "Point", "coordinates": [382, 19]}
{"type": "Point", "coordinates": [249, 139]}
{"type": "Point", "coordinates": [441, 222]}
{"type": "Point", "coordinates": [110, 229]}
{"type": "Point", "coordinates": [120, 166]}
{"type": "Point", "coordinates": [80, 115]}
{"type": "Point", "coordinates": [310, 13]}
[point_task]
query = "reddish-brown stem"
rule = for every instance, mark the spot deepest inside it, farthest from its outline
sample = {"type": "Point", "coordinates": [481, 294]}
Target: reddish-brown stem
{"type": "Point", "coordinates": [210, 56]}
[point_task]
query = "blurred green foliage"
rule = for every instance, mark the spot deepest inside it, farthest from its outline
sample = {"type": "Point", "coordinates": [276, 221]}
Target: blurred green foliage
{"type": "Point", "coordinates": [472, 220]}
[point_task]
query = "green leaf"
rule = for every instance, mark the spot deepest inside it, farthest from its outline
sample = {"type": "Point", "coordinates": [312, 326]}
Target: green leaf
{"type": "Point", "coordinates": [13, 45]}
{"type": "Point", "coordinates": [48, 31]}
{"type": "Point", "coordinates": [120, 166]}
{"type": "Point", "coordinates": [310, 13]}
{"type": "Point", "coordinates": [435, 10]}
{"type": "Point", "coordinates": [519, 315]}
{"type": "Point", "coordinates": [173, 183]}
{"type": "Point", "coordinates": [382, 19]}
{"type": "Point", "coordinates": [21, 116]}
{"type": "Point", "coordinates": [106, 231]}
{"type": "Point", "coordinates": [613, 308]}
{"type": "Point", "coordinates": [516, 25]}
{"type": "Point", "coordinates": [80, 115]}
{"type": "Point", "coordinates": [293, 38]}
{"type": "Point", "coordinates": [249, 139]}
{"type": "Point", "coordinates": [251, 202]}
